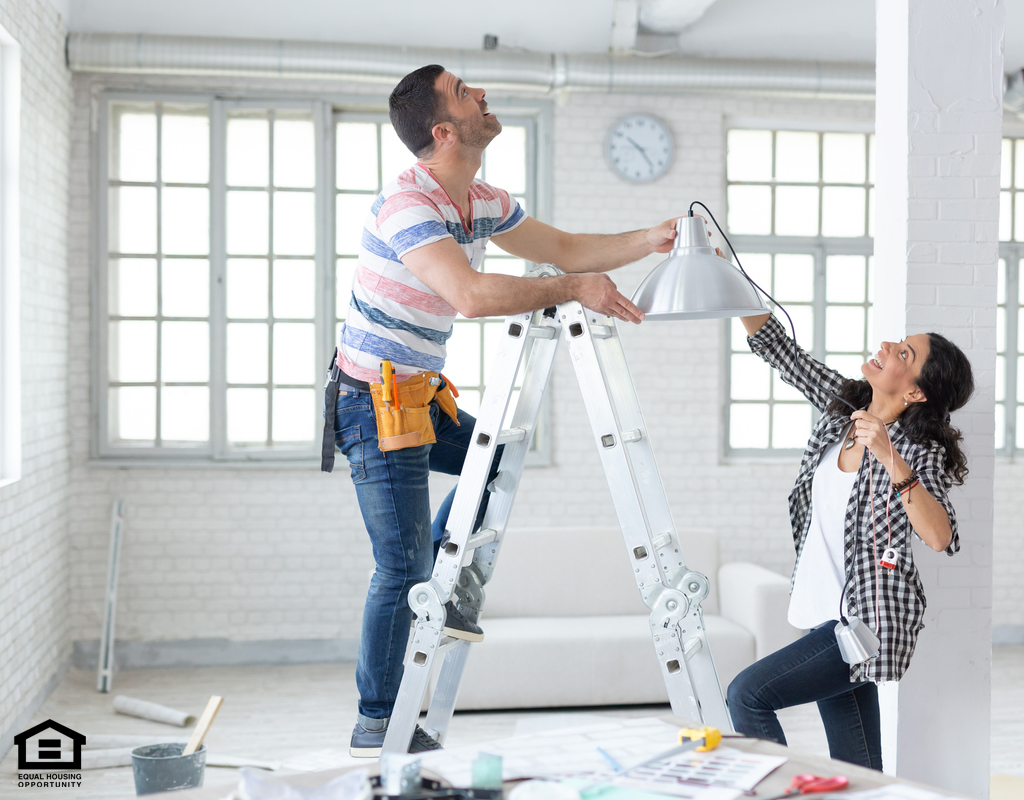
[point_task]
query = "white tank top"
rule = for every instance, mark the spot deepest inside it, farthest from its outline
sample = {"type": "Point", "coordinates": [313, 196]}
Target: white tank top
{"type": "Point", "coordinates": [821, 572]}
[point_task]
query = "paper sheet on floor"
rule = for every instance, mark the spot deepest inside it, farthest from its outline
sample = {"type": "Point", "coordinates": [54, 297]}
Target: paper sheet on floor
{"type": "Point", "coordinates": [574, 752]}
{"type": "Point", "coordinates": [317, 760]}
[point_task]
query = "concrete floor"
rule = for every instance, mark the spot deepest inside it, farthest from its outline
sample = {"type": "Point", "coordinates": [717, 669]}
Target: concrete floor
{"type": "Point", "coordinates": [302, 716]}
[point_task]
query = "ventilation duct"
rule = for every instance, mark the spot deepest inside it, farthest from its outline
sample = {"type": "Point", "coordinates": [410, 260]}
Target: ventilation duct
{"type": "Point", "coordinates": [520, 70]}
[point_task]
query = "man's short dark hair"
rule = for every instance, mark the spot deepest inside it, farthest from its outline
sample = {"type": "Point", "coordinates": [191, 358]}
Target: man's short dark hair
{"type": "Point", "coordinates": [416, 107]}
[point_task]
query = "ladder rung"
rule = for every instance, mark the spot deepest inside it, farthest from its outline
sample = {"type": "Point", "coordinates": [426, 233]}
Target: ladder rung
{"type": "Point", "coordinates": [484, 536]}
{"type": "Point", "coordinates": [601, 331]}
{"type": "Point", "coordinates": [512, 435]}
{"type": "Point", "coordinates": [542, 332]}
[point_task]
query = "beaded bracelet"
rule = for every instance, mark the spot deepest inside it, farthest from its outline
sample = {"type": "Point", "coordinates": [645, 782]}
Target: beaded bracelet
{"type": "Point", "coordinates": [906, 483]}
{"type": "Point", "coordinates": [907, 489]}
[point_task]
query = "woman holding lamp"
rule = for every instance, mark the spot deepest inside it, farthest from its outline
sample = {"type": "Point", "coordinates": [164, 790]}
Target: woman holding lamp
{"type": "Point", "coordinates": [867, 481]}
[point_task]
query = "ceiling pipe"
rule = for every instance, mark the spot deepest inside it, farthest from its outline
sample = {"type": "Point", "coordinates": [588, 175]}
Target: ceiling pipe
{"type": "Point", "coordinates": [509, 69]}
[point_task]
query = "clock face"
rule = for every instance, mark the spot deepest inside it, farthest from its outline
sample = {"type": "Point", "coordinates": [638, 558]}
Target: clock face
{"type": "Point", "coordinates": [639, 148]}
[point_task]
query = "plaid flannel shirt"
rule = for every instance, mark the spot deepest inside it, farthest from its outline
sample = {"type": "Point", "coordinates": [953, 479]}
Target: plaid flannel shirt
{"type": "Point", "coordinates": [901, 600]}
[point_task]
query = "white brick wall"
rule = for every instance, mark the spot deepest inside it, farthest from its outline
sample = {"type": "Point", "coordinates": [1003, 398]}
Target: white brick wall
{"type": "Point", "coordinates": [276, 554]}
{"type": "Point", "coordinates": [34, 565]}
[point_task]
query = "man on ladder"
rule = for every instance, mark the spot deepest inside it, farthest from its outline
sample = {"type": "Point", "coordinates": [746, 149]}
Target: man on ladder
{"type": "Point", "coordinates": [388, 409]}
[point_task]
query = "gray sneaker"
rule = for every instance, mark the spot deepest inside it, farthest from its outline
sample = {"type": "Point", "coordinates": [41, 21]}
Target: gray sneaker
{"type": "Point", "coordinates": [458, 626]}
{"type": "Point", "coordinates": [367, 744]}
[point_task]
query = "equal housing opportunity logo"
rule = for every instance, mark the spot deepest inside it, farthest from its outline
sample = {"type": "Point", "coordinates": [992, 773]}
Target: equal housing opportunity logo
{"type": "Point", "coordinates": [50, 755]}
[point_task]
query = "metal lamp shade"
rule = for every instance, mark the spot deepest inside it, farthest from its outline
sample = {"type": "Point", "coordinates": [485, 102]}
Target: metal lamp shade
{"type": "Point", "coordinates": [857, 642]}
{"type": "Point", "coordinates": [696, 283]}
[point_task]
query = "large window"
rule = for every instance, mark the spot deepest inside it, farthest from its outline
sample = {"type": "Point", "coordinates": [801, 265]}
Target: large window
{"type": "Point", "coordinates": [220, 303]}
{"type": "Point", "coordinates": [799, 215]}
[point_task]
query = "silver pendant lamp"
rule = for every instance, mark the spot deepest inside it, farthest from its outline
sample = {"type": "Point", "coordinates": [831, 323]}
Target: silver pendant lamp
{"type": "Point", "coordinates": [694, 282]}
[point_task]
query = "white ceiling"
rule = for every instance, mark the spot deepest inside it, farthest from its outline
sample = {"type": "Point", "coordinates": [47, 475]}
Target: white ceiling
{"type": "Point", "coordinates": [801, 29]}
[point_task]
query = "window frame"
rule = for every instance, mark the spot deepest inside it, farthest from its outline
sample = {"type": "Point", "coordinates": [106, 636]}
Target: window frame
{"type": "Point", "coordinates": [10, 259]}
{"type": "Point", "coordinates": [1012, 253]}
{"type": "Point", "coordinates": [819, 247]}
{"type": "Point", "coordinates": [325, 110]}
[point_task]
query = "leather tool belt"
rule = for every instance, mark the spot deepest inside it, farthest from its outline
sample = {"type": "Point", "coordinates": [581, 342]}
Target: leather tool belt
{"type": "Point", "coordinates": [403, 419]}
{"type": "Point", "coordinates": [403, 410]}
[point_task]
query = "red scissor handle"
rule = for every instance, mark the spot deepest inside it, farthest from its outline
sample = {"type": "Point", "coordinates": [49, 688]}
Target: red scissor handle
{"type": "Point", "coordinates": [813, 784]}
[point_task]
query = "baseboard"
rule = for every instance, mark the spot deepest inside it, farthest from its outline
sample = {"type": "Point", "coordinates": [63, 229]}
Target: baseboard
{"type": "Point", "coordinates": [1008, 634]}
{"type": "Point", "coordinates": [24, 719]}
{"type": "Point", "coordinates": [216, 653]}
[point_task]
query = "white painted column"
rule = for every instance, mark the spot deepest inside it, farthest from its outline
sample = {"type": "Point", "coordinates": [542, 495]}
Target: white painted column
{"type": "Point", "coordinates": [938, 127]}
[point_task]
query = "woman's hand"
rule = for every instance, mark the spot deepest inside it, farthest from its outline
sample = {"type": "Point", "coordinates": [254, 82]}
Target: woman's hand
{"type": "Point", "coordinates": [871, 432]}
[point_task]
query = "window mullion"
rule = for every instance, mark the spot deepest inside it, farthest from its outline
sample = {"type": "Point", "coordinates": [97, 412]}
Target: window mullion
{"type": "Point", "coordinates": [269, 443]}
{"type": "Point", "coordinates": [101, 260]}
{"type": "Point", "coordinates": [158, 438]}
{"type": "Point", "coordinates": [325, 255]}
{"type": "Point", "coordinates": [1012, 305]}
{"type": "Point", "coordinates": [218, 280]}
{"type": "Point", "coordinates": [820, 255]}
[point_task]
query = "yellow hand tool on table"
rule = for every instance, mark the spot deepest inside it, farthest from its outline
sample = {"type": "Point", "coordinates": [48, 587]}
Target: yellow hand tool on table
{"type": "Point", "coordinates": [699, 739]}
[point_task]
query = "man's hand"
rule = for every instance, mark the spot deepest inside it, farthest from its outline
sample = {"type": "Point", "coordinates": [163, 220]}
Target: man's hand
{"type": "Point", "coordinates": [662, 237]}
{"type": "Point", "coordinates": [596, 291]}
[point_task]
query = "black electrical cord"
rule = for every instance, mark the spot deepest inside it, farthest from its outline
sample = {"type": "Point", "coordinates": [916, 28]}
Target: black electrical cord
{"type": "Point", "coordinates": [792, 327]}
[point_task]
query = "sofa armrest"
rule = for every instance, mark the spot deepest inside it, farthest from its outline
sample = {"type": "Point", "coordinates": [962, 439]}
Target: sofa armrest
{"type": "Point", "coordinates": [757, 599]}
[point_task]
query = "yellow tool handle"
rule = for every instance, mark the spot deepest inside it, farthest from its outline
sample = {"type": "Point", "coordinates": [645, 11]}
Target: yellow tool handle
{"type": "Point", "coordinates": [712, 737]}
{"type": "Point", "coordinates": [387, 374]}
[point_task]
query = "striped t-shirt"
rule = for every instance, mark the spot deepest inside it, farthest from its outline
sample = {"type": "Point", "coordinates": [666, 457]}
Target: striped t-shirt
{"type": "Point", "coordinates": [392, 314]}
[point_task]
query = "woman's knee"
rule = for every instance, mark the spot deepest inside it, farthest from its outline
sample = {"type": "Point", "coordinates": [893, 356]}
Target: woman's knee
{"type": "Point", "coordinates": [743, 691]}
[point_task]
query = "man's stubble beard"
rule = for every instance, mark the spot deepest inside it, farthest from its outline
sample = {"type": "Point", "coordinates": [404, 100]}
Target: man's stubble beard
{"type": "Point", "coordinates": [477, 135]}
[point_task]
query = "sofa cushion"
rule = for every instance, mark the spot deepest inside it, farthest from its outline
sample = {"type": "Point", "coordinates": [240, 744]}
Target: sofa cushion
{"type": "Point", "coordinates": [574, 572]}
{"type": "Point", "coordinates": [528, 662]}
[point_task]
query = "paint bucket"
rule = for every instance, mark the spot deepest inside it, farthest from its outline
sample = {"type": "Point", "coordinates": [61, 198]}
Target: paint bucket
{"type": "Point", "coordinates": [162, 768]}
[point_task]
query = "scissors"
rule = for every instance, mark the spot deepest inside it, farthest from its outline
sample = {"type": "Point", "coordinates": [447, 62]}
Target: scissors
{"type": "Point", "coordinates": [812, 784]}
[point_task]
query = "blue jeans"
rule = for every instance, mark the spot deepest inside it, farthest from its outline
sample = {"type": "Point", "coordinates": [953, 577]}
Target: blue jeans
{"type": "Point", "coordinates": [392, 491]}
{"type": "Point", "coordinates": [810, 670]}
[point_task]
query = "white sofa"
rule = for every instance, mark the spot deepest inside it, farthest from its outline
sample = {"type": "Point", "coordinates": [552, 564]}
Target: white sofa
{"type": "Point", "coordinates": [565, 626]}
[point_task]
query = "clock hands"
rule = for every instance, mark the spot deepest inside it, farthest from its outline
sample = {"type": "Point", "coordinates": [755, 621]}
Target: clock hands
{"type": "Point", "coordinates": [643, 152]}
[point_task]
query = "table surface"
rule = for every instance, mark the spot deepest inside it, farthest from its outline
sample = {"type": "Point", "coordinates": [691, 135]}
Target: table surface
{"type": "Point", "coordinates": [777, 782]}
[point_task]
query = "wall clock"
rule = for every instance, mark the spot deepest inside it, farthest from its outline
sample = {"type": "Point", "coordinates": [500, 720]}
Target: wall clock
{"type": "Point", "coordinates": [639, 148]}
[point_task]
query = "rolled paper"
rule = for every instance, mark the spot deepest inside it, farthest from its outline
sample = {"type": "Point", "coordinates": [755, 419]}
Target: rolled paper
{"type": "Point", "coordinates": [134, 707]}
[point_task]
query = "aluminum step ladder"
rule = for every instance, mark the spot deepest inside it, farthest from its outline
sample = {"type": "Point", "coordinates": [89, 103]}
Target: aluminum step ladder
{"type": "Point", "coordinates": [672, 592]}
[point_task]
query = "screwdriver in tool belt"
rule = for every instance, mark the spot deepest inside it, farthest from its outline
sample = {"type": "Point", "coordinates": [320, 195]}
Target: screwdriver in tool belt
{"type": "Point", "coordinates": [387, 375]}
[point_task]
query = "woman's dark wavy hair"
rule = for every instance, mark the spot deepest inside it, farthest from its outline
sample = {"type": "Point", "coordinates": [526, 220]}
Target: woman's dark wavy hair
{"type": "Point", "coordinates": [947, 382]}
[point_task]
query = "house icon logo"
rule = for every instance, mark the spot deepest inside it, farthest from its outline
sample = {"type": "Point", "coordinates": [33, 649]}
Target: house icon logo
{"type": "Point", "coordinates": [45, 747]}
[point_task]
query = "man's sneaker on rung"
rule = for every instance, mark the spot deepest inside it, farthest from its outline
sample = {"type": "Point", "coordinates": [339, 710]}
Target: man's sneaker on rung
{"type": "Point", "coordinates": [368, 744]}
{"type": "Point", "coordinates": [458, 626]}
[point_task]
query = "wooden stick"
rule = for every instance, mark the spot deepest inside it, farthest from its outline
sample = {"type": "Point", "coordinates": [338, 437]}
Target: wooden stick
{"type": "Point", "coordinates": [203, 726]}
